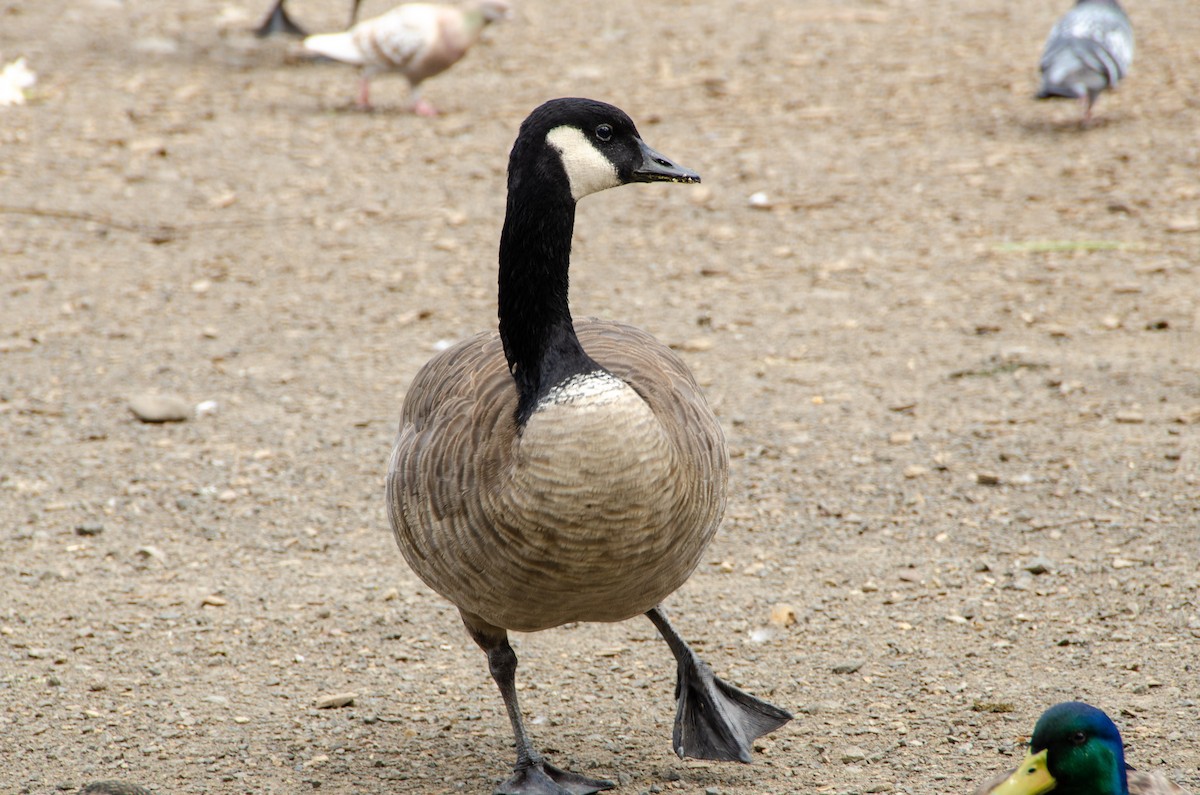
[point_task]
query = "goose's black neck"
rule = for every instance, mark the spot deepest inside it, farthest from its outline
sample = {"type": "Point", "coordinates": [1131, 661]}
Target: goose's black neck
{"type": "Point", "coordinates": [535, 255]}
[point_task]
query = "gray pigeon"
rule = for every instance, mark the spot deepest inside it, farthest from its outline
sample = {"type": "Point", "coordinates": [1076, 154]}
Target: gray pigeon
{"type": "Point", "coordinates": [1089, 50]}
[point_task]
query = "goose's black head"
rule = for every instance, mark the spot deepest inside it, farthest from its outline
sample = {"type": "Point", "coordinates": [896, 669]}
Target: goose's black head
{"type": "Point", "coordinates": [1075, 750]}
{"type": "Point", "coordinates": [579, 146]}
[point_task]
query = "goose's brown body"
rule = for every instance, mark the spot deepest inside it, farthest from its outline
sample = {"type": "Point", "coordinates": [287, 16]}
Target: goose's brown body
{"type": "Point", "coordinates": [595, 510]}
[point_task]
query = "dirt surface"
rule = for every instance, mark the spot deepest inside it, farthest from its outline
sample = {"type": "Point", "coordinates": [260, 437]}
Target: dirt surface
{"type": "Point", "coordinates": [956, 352]}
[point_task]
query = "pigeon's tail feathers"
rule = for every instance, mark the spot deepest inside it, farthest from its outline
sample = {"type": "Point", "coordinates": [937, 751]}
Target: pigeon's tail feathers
{"type": "Point", "coordinates": [1089, 50]}
{"type": "Point", "coordinates": [338, 46]}
{"type": "Point", "coordinates": [1079, 67]}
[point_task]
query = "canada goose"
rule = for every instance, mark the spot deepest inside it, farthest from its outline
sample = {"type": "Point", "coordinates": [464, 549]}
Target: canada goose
{"type": "Point", "coordinates": [278, 21]}
{"type": "Point", "coordinates": [562, 471]}
{"type": "Point", "coordinates": [1089, 50]}
{"type": "Point", "coordinates": [1076, 750]}
{"type": "Point", "coordinates": [419, 40]}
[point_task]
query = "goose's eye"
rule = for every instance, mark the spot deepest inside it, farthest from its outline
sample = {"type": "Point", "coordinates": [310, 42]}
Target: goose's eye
{"type": "Point", "coordinates": [604, 133]}
{"type": "Point", "coordinates": [1078, 738]}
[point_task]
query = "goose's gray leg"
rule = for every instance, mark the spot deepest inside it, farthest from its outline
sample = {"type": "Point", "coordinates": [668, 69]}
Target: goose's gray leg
{"type": "Point", "coordinates": [532, 775]}
{"type": "Point", "coordinates": [713, 719]}
{"type": "Point", "coordinates": [278, 21]}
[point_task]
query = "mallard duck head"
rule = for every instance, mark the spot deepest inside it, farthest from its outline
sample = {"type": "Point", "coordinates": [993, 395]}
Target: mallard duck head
{"type": "Point", "coordinates": [1075, 750]}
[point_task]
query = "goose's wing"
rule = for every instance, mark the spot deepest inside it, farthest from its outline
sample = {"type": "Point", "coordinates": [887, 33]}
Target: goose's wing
{"type": "Point", "coordinates": [457, 428]}
{"type": "Point", "coordinates": [471, 371]}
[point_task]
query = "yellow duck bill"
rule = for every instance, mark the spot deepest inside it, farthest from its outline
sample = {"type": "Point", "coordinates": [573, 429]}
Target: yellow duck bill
{"type": "Point", "coordinates": [1032, 777]}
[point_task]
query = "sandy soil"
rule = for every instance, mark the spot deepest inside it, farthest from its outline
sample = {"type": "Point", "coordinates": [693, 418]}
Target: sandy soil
{"type": "Point", "coordinates": [959, 344]}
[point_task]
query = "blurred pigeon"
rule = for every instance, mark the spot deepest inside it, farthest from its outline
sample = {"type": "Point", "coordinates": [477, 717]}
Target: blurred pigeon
{"type": "Point", "coordinates": [1089, 50]}
{"type": "Point", "coordinates": [278, 21]}
{"type": "Point", "coordinates": [419, 40]}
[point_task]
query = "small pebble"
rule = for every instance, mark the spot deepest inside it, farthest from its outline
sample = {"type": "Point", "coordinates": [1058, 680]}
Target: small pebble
{"type": "Point", "coordinates": [1183, 224]}
{"type": "Point", "coordinates": [759, 201]}
{"type": "Point", "coordinates": [147, 552]}
{"type": "Point", "coordinates": [761, 634]}
{"type": "Point", "coordinates": [783, 614]}
{"type": "Point", "coordinates": [156, 45]}
{"type": "Point", "coordinates": [694, 345]}
{"type": "Point", "coordinates": [335, 700]}
{"type": "Point", "coordinates": [1023, 581]}
{"type": "Point", "coordinates": [700, 195]}
{"type": "Point", "coordinates": [847, 667]}
{"type": "Point", "coordinates": [1039, 565]}
{"type": "Point", "coordinates": [160, 408]}
{"type": "Point", "coordinates": [853, 754]}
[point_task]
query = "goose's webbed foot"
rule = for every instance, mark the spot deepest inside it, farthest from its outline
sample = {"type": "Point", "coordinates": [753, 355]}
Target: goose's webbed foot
{"type": "Point", "coordinates": [713, 719]}
{"type": "Point", "coordinates": [716, 720]}
{"type": "Point", "coordinates": [278, 21]}
{"type": "Point", "coordinates": [543, 778]}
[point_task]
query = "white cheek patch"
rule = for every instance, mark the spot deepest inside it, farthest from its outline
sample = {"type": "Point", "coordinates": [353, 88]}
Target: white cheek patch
{"type": "Point", "coordinates": [587, 168]}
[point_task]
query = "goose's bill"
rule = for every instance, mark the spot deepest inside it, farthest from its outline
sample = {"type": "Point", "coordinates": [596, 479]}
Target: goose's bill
{"type": "Point", "coordinates": [1032, 777]}
{"type": "Point", "coordinates": [657, 167]}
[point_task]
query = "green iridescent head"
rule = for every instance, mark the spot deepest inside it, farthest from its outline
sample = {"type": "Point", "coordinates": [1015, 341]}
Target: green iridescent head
{"type": "Point", "coordinates": [1075, 750]}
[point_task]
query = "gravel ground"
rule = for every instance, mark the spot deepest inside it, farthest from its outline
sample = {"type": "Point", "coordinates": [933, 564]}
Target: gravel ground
{"type": "Point", "coordinates": [954, 343]}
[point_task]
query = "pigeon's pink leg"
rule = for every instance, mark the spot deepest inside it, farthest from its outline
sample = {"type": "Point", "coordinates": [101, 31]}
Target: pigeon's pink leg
{"type": "Point", "coordinates": [419, 106]}
{"type": "Point", "coordinates": [364, 93]}
{"type": "Point", "coordinates": [423, 108]}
